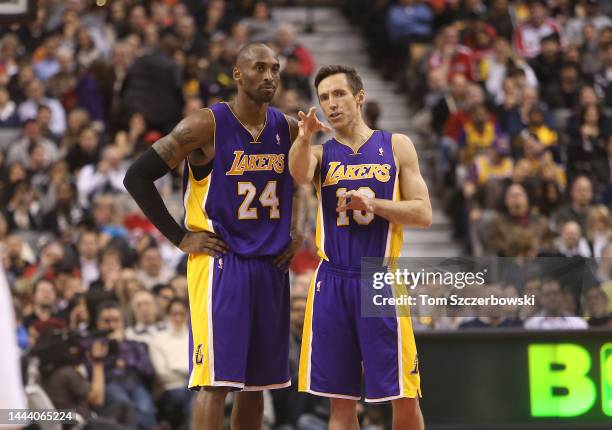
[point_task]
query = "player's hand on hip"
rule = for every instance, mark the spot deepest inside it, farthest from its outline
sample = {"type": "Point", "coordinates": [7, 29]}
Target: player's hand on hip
{"type": "Point", "coordinates": [285, 257]}
{"type": "Point", "coordinates": [309, 123]}
{"type": "Point", "coordinates": [203, 242]}
{"type": "Point", "coordinates": [356, 201]}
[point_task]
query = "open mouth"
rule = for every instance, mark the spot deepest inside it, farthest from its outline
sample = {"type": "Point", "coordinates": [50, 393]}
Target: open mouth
{"type": "Point", "coordinates": [335, 115]}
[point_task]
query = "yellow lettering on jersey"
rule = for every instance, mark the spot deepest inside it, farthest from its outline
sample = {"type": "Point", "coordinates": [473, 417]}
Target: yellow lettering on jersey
{"type": "Point", "coordinates": [256, 163]}
{"type": "Point", "coordinates": [338, 172]}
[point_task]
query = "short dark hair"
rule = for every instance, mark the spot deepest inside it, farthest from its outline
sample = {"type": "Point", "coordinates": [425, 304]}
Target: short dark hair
{"type": "Point", "coordinates": [108, 304]}
{"type": "Point", "coordinates": [177, 300]}
{"type": "Point", "coordinates": [353, 78]}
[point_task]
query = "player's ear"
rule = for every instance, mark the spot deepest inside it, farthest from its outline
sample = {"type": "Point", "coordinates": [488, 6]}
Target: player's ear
{"type": "Point", "coordinates": [360, 98]}
{"type": "Point", "coordinates": [236, 74]}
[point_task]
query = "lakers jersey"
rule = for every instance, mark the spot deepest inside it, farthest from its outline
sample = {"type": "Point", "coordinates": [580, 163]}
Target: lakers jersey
{"type": "Point", "coordinates": [345, 237]}
{"type": "Point", "coordinates": [247, 197]}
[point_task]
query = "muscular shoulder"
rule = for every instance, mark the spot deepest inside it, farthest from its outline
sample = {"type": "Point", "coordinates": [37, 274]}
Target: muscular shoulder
{"type": "Point", "coordinates": [403, 149]}
{"type": "Point", "coordinates": [193, 132]}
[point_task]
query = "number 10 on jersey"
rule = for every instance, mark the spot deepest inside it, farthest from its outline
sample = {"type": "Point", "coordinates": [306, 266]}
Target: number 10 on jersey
{"type": "Point", "coordinates": [267, 198]}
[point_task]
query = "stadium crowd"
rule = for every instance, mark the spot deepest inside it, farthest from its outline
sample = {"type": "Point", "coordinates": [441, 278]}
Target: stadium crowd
{"type": "Point", "coordinates": [517, 95]}
{"type": "Point", "coordinates": [514, 103]}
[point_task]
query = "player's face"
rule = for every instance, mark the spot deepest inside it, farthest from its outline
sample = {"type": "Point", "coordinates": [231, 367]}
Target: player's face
{"type": "Point", "coordinates": [259, 76]}
{"type": "Point", "coordinates": [340, 106]}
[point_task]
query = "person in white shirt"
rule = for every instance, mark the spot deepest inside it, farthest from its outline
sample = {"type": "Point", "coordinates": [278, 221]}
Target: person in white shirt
{"type": "Point", "coordinates": [570, 242]}
{"type": "Point", "coordinates": [88, 257]}
{"type": "Point", "coordinates": [170, 357]}
{"type": "Point", "coordinates": [106, 176]}
{"type": "Point", "coordinates": [552, 316]}
{"type": "Point", "coordinates": [151, 270]}
{"type": "Point", "coordinates": [144, 309]}
{"type": "Point", "coordinates": [36, 97]}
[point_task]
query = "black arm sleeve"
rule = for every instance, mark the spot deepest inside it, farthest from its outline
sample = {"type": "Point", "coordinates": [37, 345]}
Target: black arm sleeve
{"type": "Point", "coordinates": [139, 181]}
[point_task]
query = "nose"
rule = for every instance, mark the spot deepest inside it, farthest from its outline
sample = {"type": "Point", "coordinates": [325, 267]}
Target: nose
{"type": "Point", "coordinates": [268, 75]}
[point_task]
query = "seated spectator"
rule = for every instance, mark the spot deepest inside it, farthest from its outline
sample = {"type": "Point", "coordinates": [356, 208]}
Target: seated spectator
{"type": "Point", "coordinates": [570, 242]}
{"type": "Point", "coordinates": [88, 248]}
{"type": "Point", "coordinates": [494, 163]}
{"type": "Point", "coordinates": [164, 294]}
{"type": "Point", "coordinates": [43, 303]}
{"type": "Point", "coordinates": [564, 93]}
{"type": "Point", "coordinates": [598, 231]}
{"type": "Point", "coordinates": [587, 145]}
{"type": "Point", "coordinates": [65, 210]}
{"type": "Point", "coordinates": [491, 316]}
{"type": "Point", "coordinates": [291, 79]}
{"type": "Point", "coordinates": [499, 66]}
{"type": "Point", "coordinates": [24, 210]}
{"type": "Point", "coordinates": [128, 373]}
{"type": "Point", "coordinates": [36, 97]}
{"type": "Point", "coordinates": [536, 125]}
{"type": "Point", "coordinates": [547, 63]}
{"type": "Point", "coordinates": [596, 308]}
{"type": "Point", "coordinates": [105, 177]}
{"type": "Point", "coordinates": [478, 134]}
{"type": "Point", "coordinates": [592, 15]}
{"type": "Point", "coordinates": [452, 57]}
{"type": "Point", "coordinates": [69, 389]}
{"type": "Point", "coordinates": [171, 361]}
{"type": "Point", "coordinates": [288, 46]}
{"type": "Point", "coordinates": [8, 110]}
{"type": "Point", "coordinates": [144, 310]}
{"type": "Point", "coordinates": [87, 151]}
{"type": "Point", "coordinates": [528, 35]}
{"type": "Point", "coordinates": [540, 161]}
{"type": "Point", "coordinates": [409, 21]}
{"type": "Point", "coordinates": [151, 270]}
{"type": "Point", "coordinates": [581, 197]}
{"type": "Point", "coordinates": [452, 101]}
{"type": "Point", "coordinates": [552, 316]}
{"type": "Point", "coordinates": [21, 150]}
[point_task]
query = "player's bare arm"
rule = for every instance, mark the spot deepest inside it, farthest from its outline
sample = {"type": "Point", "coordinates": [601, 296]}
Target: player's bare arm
{"type": "Point", "coordinates": [194, 137]}
{"type": "Point", "coordinates": [414, 208]}
{"type": "Point", "coordinates": [304, 159]}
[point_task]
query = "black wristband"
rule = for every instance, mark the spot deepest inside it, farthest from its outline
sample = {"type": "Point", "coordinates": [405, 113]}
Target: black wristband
{"type": "Point", "coordinates": [139, 181]}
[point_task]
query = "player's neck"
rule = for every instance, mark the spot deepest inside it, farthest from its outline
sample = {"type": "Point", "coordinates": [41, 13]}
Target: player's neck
{"type": "Point", "coordinates": [248, 111]}
{"type": "Point", "coordinates": [354, 135]}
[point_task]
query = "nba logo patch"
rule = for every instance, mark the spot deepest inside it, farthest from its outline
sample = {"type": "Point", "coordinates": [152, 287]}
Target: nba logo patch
{"type": "Point", "coordinates": [220, 263]}
{"type": "Point", "coordinates": [277, 139]}
{"type": "Point", "coordinates": [380, 151]}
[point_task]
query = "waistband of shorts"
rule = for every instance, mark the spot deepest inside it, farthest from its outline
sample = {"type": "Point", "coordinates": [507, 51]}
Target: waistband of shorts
{"type": "Point", "coordinates": [341, 270]}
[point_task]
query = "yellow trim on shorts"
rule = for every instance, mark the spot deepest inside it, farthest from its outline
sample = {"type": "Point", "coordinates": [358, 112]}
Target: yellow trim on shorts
{"type": "Point", "coordinates": [200, 269]}
{"type": "Point", "coordinates": [306, 348]}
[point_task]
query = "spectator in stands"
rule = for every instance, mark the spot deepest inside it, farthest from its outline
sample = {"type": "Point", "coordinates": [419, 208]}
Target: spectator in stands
{"type": "Point", "coordinates": [591, 16]}
{"type": "Point", "coordinates": [409, 21]}
{"type": "Point", "coordinates": [153, 87]}
{"type": "Point", "coordinates": [292, 79]}
{"type": "Point", "coordinates": [24, 210]}
{"type": "Point", "coordinates": [552, 316]}
{"type": "Point", "coordinates": [171, 361]}
{"type": "Point", "coordinates": [288, 46]}
{"type": "Point", "coordinates": [581, 197]}
{"type": "Point", "coordinates": [598, 233]}
{"type": "Point", "coordinates": [478, 134]}
{"type": "Point", "coordinates": [43, 302]}
{"type": "Point", "coordinates": [563, 94]}
{"type": "Point", "coordinates": [451, 56]}
{"type": "Point", "coordinates": [129, 373]}
{"type": "Point", "coordinates": [570, 242]}
{"type": "Point", "coordinates": [499, 67]}
{"type": "Point", "coordinates": [21, 150]}
{"type": "Point", "coordinates": [261, 25]}
{"type": "Point", "coordinates": [151, 270]}
{"type": "Point", "coordinates": [596, 308]}
{"type": "Point", "coordinates": [144, 310]}
{"type": "Point", "coordinates": [105, 177]}
{"type": "Point", "coordinates": [8, 110]}
{"type": "Point", "coordinates": [527, 36]}
{"type": "Point", "coordinates": [164, 294]}
{"type": "Point", "coordinates": [499, 16]}
{"type": "Point", "coordinates": [452, 101]}
{"type": "Point", "coordinates": [36, 97]}
{"type": "Point", "coordinates": [88, 257]}
{"type": "Point", "coordinates": [87, 151]}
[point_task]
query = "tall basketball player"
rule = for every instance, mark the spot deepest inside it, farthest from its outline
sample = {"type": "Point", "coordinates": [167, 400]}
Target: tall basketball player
{"type": "Point", "coordinates": [369, 186]}
{"type": "Point", "coordinates": [238, 206]}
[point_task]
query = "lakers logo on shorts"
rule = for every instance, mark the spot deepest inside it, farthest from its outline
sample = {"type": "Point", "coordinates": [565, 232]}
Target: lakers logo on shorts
{"type": "Point", "coordinates": [199, 357]}
{"type": "Point", "coordinates": [415, 371]}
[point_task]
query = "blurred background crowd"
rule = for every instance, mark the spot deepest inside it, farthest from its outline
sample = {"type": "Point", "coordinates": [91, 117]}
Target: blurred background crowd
{"type": "Point", "coordinates": [513, 98]}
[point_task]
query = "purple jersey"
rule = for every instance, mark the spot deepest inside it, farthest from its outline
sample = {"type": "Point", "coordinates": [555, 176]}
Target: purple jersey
{"type": "Point", "coordinates": [247, 197]}
{"type": "Point", "coordinates": [343, 238]}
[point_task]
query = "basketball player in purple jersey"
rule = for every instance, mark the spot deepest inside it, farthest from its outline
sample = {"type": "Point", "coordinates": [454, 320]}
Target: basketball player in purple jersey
{"type": "Point", "coordinates": [369, 186]}
{"type": "Point", "coordinates": [238, 197]}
